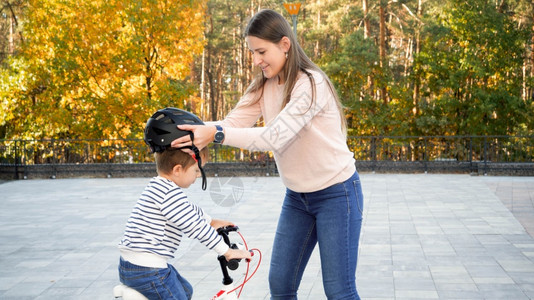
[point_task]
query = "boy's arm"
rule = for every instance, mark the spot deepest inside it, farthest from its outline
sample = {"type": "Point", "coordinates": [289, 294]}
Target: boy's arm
{"type": "Point", "coordinates": [202, 213]}
{"type": "Point", "coordinates": [215, 223]}
{"type": "Point", "coordinates": [191, 220]}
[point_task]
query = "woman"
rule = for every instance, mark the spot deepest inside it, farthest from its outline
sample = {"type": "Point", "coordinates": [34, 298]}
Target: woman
{"type": "Point", "coordinates": [306, 130]}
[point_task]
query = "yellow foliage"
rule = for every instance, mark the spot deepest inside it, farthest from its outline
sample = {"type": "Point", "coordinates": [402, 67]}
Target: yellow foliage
{"type": "Point", "coordinates": [99, 68]}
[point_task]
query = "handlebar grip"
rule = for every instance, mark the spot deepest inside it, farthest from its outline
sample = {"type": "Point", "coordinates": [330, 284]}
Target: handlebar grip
{"type": "Point", "coordinates": [227, 229]}
{"type": "Point", "coordinates": [233, 264]}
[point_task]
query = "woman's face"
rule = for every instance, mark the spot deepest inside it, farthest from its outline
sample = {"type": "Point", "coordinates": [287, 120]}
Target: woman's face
{"type": "Point", "coordinates": [270, 57]}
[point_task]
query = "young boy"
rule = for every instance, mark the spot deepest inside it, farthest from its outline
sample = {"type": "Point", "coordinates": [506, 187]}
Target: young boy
{"type": "Point", "coordinates": [163, 215]}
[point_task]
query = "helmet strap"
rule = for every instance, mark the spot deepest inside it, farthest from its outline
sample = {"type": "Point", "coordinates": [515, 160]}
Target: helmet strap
{"type": "Point", "coordinates": [199, 161]}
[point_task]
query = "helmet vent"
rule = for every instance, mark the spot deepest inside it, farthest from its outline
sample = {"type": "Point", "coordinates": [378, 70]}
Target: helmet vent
{"type": "Point", "coordinates": [160, 131]}
{"type": "Point", "coordinates": [189, 121]}
{"type": "Point", "coordinates": [168, 121]}
{"type": "Point", "coordinates": [164, 119]}
{"type": "Point", "coordinates": [178, 113]}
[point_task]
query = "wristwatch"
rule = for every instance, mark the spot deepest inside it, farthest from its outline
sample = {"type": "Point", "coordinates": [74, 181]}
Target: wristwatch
{"type": "Point", "coordinates": [219, 135]}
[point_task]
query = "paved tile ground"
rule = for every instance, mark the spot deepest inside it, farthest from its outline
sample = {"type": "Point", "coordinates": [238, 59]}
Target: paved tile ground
{"type": "Point", "coordinates": [424, 236]}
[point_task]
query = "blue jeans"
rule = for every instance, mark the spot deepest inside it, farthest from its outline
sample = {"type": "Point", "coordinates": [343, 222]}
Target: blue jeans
{"type": "Point", "coordinates": [332, 218]}
{"type": "Point", "coordinates": [155, 283]}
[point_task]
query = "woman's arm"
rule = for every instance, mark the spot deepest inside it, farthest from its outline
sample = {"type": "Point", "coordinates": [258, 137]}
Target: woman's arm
{"type": "Point", "coordinates": [245, 114]}
{"type": "Point", "coordinates": [284, 129]}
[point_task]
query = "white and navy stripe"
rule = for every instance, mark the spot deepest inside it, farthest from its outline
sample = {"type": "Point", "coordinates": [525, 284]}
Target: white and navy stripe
{"type": "Point", "coordinates": [162, 216]}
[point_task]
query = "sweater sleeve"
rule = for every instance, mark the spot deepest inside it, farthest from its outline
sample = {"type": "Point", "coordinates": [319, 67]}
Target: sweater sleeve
{"type": "Point", "coordinates": [192, 221]}
{"type": "Point", "coordinates": [285, 127]}
{"type": "Point", "coordinates": [245, 114]}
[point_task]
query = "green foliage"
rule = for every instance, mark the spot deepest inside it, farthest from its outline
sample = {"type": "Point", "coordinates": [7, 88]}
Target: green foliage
{"type": "Point", "coordinates": [471, 64]}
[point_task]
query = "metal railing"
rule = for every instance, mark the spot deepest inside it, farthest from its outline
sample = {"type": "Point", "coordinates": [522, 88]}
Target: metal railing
{"type": "Point", "coordinates": [435, 148]}
{"type": "Point", "coordinates": [373, 153]}
{"type": "Point", "coordinates": [118, 151]}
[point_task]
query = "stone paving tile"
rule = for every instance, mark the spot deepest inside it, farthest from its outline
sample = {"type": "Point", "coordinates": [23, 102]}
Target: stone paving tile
{"type": "Point", "coordinates": [423, 237]}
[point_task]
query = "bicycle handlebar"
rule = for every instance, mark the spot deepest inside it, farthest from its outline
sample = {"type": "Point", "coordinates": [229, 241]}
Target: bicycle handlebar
{"type": "Point", "coordinates": [233, 264]}
{"type": "Point", "coordinates": [227, 229]}
{"type": "Point", "coordinates": [224, 231]}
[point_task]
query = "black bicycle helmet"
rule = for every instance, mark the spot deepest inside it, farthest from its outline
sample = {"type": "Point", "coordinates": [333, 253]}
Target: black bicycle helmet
{"type": "Point", "coordinates": [161, 129]}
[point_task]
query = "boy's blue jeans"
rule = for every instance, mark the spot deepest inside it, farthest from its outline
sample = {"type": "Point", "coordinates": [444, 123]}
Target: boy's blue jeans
{"type": "Point", "coordinates": [332, 218]}
{"type": "Point", "coordinates": [155, 283]}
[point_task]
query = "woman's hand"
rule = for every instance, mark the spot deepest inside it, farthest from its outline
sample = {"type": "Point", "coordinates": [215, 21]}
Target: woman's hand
{"type": "Point", "coordinates": [203, 135]}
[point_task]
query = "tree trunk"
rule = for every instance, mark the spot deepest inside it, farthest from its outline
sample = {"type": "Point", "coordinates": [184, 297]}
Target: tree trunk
{"type": "Point", "coordinates": [528, 92]}
{"type": "Point", "coordinates": [417, 50]}
{"type": "Point", "coordinates": [366, 23]}
{"type": "Point", "coordinates": [209, 73]}
{"type": "Point", "coordinates": [219, 99]}
{"type": "Point", "coordinates": [382, 49]}
{"type": "Point", "coordinates": [316, 47]}
{"type": "Point", "coordinates": [148, 78]}
{"type": "Point", "coordinates": [202, 83]}
{"type": "Point", "coordinates": [366, 35]}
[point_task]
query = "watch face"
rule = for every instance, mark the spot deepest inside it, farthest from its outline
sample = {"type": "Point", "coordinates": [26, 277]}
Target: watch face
{"type": "Point", "coordinates": [219, 136]}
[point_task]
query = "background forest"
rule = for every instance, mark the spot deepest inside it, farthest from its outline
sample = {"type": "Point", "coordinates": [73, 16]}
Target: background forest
{"type": "Point", "coordinates": [97, 69]}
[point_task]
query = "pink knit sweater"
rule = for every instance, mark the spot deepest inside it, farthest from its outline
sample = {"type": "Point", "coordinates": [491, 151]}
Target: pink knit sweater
{"type": "Point", "coordinates": [309, 147]}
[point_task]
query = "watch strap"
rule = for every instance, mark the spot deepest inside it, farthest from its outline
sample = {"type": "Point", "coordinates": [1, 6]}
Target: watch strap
{"type": "Point", "coordinates": [219, 131]}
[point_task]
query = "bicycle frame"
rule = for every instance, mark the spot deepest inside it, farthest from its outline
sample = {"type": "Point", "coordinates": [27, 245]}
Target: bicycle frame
{"type": "Point", "coordinates": [227, 293]}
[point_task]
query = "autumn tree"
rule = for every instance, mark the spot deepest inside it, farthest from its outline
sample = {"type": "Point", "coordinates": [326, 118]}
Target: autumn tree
{"type": "Point", "coordinates": [98, 69]}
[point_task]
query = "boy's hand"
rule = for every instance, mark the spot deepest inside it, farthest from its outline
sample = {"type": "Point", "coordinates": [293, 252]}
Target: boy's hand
{"type": "Point", "coordinates": [237, 254]}
{"type": "Point", "coordinates": [216, 223]}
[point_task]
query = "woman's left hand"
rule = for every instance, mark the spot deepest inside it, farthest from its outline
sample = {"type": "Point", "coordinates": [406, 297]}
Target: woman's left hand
{"type": "Point", "coordinates": [203, 135]}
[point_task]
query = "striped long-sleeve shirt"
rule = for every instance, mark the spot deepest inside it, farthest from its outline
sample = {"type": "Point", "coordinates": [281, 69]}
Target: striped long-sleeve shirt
{"type": "Point", "coordinates": [162, 216]}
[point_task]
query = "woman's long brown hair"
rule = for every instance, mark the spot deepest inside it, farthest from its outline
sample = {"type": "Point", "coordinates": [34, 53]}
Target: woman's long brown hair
{"type": "Point", "coordinates": [271, 26]}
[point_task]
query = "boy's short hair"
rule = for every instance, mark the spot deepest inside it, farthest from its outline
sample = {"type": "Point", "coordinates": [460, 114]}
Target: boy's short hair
{"type": "Point", "coordinates": [170, 157]}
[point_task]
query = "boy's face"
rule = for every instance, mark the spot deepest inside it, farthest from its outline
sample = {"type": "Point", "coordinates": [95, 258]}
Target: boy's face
{"type": "Point", "coordinates": [185, 177]}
